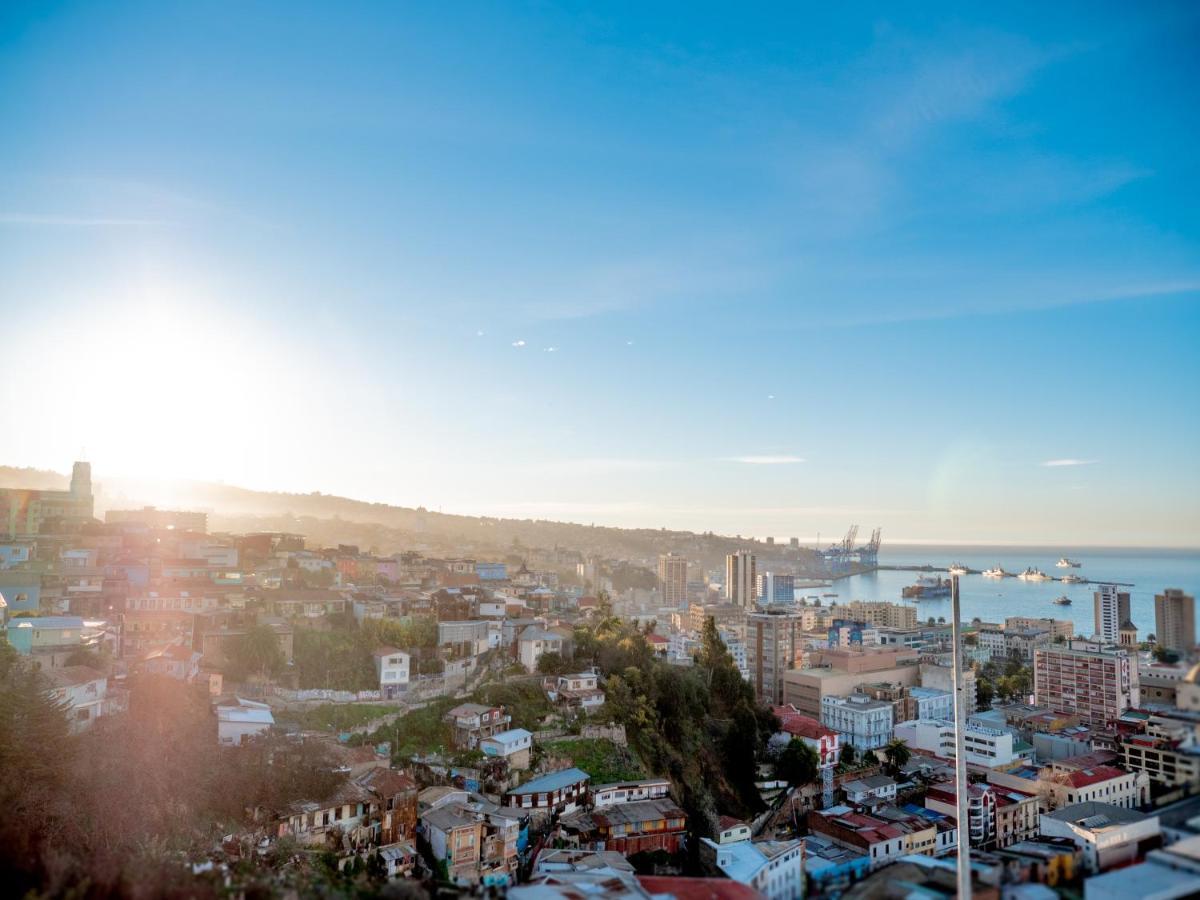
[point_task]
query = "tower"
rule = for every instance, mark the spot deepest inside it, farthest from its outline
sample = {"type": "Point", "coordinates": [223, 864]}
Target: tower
{"type": "Point", "coordinates": [1112, 611]}
{"type": "Point", "coordinates": [740, 578]}
{"type": "Point", "coordinates": [81, 479]}
{"type": "Point", "coordinates": [1175, 620]}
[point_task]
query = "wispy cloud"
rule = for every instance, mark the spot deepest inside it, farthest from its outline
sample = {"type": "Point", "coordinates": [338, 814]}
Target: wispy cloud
{"type": "Point", "coordinates": [1063, 463]}
{"type": "Point", "coordinates": [781, 460]}
{"type": "Point", "coordinates": [56, 221]}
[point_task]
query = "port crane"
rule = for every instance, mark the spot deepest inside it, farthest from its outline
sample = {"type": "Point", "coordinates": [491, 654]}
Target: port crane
{"type": "Point", "coordinates": [841, 555]}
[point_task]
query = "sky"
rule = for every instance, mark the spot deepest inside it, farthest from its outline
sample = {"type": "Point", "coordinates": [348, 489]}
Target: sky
{"type": "Point", "coordinates": [767, 270]}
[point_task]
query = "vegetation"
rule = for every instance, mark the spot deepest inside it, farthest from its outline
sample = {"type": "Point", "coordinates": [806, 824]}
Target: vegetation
{"type": "Point", "coordinates": [255, 653]}
{"type": "Point", "coordinates": [600, 758]}
{"type": "Point", "coordinates": [798, 764]}
{"type": "Point", "coordinates": [897, 754]}
{"type": "Point", "coordinates": [335, 717]}
{"type": "Point", "coordinates": [1007, 680]}
{"type": "Point", "coordinates": [524, 700]}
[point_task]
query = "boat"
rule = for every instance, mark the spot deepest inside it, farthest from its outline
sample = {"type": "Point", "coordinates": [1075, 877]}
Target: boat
{"type": "Point", "coordinates": [1065, 563]}
{"type": "Point", "coordinates": [829, 595]}
{"type": "Point", "coordinates": [958, 569]}
{"type": "Point", "coordinates": [1032, 574]}
{"type": "Point", "coordinates": [1073, 579]}
{"type": "Point", "coordinates": [1063, 601]}
{"type": "Point", "coordinates": [997, 572]}
{"type": "Point", "coordinates": [927, 589]}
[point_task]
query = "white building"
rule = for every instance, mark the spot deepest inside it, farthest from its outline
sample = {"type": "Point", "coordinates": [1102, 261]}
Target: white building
{"type": "Point", "coordinates": [1112, 609]}
{"type": "Point", "coordinates": [773, 868]}
{"type": "Point", "coordinates": [392, 667]}
{"type": "Point", "coordinates": [933, 703]}
{"type": "Point", "coordinates": [869, 790]}
{"type": "Point", "coordinates": [515, 745]}
{"type": "Point", "coordinates": [861, 721]}
{"type": "Point", "coordinates": [988, 747]}
{"type": "Point", "coordinates": [1069, 784]}
{"type": "Point", "coordinates": [241, 720]}
{"type": "Point", "coordinates": [84, 690]}
{"type": "Point", "coordinates": [533, 643]}
{"type": "Point", "coordinates": [629, 791]}
{"type": "Point", "coordinates": [1108, 835]}
{"type": "Point", "coordinates": [737, 649]}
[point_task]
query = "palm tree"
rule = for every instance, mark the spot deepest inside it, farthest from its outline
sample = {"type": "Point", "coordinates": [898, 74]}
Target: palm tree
{"type": "Point", "coordinates": [897, 754]}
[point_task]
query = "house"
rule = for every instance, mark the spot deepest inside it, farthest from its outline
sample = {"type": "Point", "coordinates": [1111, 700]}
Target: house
{"type": "Point", "coordinates": [550, 862]}
{"type": "Point", "coordinates": [659, 644]}
{"type": "Point", "coordinates": [578, 692]}
{"type": "Point", "coordinates": [514, 745]}
{"type": "Point", "coordinates": [343, 818]}
{"type": "Point", "coordinates": [641, 826]}
{"type": "Point", "coordinates": [1166, 874]}
{"type": "Point", "coordinates": [881, 841]}
{"type": "Point", "coordinates": [556, 792]}
{"type": "Point", "coordinates": [626, 791]}
{"type": "Point", "coordinates": [475, 839]}
{"type": "Point", "coordinates": [399, 859]}
{"type": "Point", "coordinates": [871, 790]}
{"type": "Point", "coordinates": [773, 868]}
{"type": "Point", "coordinates": [395, 795]}
{"type": "Point", "coordinates": [533, 643]}
{"type": "Point", "coordinates": [45, 634]}
{"type": "Point", "coordinates": [242, 719]}
{"type": "Point", "coordinates": [731, 830]}
{"type": "Point", "coordinates": [392, 670]}
{"type": "Point", "coordinates": [997, 816]}
{"type": "Point", "coordinates": [472, 722]}
{"type": "Point", "coordinates": [1068, 785]}
{"type": "Point", "coordinates": [174, 661]}
{"type": "Point", "coordinates": [85, 693]}
{"type": "Point", "coordinates": [794, 724]}
{"type": "Point", "coordinates": [1108, 835]}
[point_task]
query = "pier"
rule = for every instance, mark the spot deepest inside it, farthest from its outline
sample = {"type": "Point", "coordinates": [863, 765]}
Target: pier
{"type": "Point", "coordinates": [1051, 578]}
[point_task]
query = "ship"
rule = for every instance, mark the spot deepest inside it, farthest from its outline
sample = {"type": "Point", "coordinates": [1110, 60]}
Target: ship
{"type": "Point", "coordinates": [997, 572]}
{"type": "Point", "coordinates": [1032, 574]}
{"type": "Point", "coordinates": [1065, 563]}
{"type": "Point", "coordinates": [927, 589]}
{"type": "Point", "coordinates": [958, 569]}
{"type": "Point", "coordinates": [1073, 579]}
{"type": "Point", "coordinates": [1063, 601]}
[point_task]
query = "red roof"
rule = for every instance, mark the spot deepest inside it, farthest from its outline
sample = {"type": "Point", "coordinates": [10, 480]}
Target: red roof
{"type": "Point", "coordinates": [698, 888]}
{"type": "Point", "coordinates": [1084, 777]}
{"type": "Point", "coordinates": [796, 723]}
{"type": "Point", "coordinates": [727, 822]}
{"type": "Point", "coordinates": [656, 639]}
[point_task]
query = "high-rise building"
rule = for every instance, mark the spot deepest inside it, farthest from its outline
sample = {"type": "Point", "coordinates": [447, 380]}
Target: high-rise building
{"type": "Point", "coordinates": [740, 577]}
{"type": "Point", "coordinates": [1175, 620]}
{"type": "Point", "coordinates": [774, 645]}
{"type": "Point", "coordinates": [1094, 680]}
{"type": "Point", "coordinates": [672, 580]}
{"type": "Point", "coordinates": [1112, 611]}
{"type": "Point", "coordinates": [775, 588]}
{"type": "Point", "coordinates": [25, 513]}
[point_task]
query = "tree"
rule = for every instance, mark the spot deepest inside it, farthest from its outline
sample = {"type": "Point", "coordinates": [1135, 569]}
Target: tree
{"type": "Point", "coordinates": [984, 692]}
{"type": "Point", "coordinates": [971, 640]}
{"type": "Point", "coordinates": [897, 754]}
{"type": "Point", "coordinates": [1151, 639]}
{"type": "Point", "coordinates": [798, 763]}
{"type": "Point", "coordinates": [256, 652]}
{"type": "Point", "coordinates": [847, 757]}
{"type": "Point", "coordinates": [551, 663]}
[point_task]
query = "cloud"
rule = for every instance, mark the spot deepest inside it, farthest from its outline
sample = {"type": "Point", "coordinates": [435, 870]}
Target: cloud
{"type": "Point", "coordinates": [765, 460]}
{"type": "Point", "coordinates": [518, 343]}
{"type": "Point", "coordinates": [1063, 463]}
{"type": "Point", "coordinates": [52, 221]}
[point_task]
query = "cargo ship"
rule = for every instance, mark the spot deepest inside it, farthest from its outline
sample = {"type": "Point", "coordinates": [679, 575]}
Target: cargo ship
{"type": "Point", "coordinates": [927, 589]}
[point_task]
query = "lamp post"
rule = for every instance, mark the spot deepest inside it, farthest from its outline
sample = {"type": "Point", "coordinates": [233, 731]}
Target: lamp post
{"type": "Point", "coordinates": [960, 760]}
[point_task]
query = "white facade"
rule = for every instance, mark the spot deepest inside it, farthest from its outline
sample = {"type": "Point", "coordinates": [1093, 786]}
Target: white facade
{"type": "Point", "coordinates": [989, 747]}
{"type": "Point", "coordinates": [933, 703]}
{"type": "Point", "coordinates": [392, 667]}
{"type": "Point", "coordinates": [1107, 835]}
{"type": "Point", "coordinates": [242, 720]}
{"type": "Point", "coordinates": [861, 721]}
{"type": "Point", "coordinates": [773, 868]}
{"type": "Point", "coordinates": [534, 642]}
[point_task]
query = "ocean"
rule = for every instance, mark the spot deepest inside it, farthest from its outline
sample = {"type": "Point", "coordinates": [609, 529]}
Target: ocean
{"type": "Point", "coordinates": [990, 599]}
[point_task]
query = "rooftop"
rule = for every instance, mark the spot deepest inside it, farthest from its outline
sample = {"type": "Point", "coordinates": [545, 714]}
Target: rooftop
{"type": "Point", "coordinates": [1096, 816]}
{"type": "Point", "coordinates": [555, 781]}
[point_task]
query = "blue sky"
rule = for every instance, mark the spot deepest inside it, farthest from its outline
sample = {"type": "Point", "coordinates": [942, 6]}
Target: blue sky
{"type": "Point", "coordinates": [798, 266]}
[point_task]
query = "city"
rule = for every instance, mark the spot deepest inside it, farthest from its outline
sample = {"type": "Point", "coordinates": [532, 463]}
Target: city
{"type": "Point", "coordinates": [554, 722]}
{"type": "Point", "coordinates": [559, 451]}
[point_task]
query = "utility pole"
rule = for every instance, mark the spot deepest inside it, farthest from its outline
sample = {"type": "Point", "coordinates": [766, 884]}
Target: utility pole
{"type": "Point", "coordinates": [960, 754]}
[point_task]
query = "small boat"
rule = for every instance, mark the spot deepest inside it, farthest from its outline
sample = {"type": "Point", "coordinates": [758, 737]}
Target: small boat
{"type": "Point", "coordinates": [1065, 563]}
{"type": "Point", "coordinates": [927, 589]}
{"type": "Point", "coordinates": [1062, 601]}
{"type": "Point", "coordinates": [958, 569]}
{"type": "Point", "coordinates": [1032, 574]}
{"type": "Point", "coordinates": [829, 595]}
{"type": "Point", "coordinates": [1073, 579]}
{"type": "Point", "coordinates": [997, 572]}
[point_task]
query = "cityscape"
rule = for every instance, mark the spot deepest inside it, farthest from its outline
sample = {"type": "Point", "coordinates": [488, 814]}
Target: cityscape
{"type": "Point", "coordinates": [559, 451]}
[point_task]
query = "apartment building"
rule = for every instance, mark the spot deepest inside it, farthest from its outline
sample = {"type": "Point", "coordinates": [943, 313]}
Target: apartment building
{"type": "Point", "coordinates": [741, 576]}
{"type": "Point", "coordinates": [774, 646]}
{"type": "Point", "coordinates": [1093, 680]}
{"type": "Point", "coordinates": [986, 747]}
{"type": "Point", "coordinates": [1175, 620]}
{"type": "Point", "coordinates": [672, 580]}
{"type": "Point", "coordinates": [996, 816]}
{"type": "Point", "coordinates": [841, 672]}
{"type": "Point", "coordinates": [861, 721]}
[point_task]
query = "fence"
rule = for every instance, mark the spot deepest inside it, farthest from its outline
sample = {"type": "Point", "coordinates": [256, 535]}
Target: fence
{"type": "Point", "coordinates": [327, 694]}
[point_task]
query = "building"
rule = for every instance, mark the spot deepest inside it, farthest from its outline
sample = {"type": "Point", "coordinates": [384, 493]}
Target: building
{"type": "Point", "coordinates": [934, 675]}
{"type": "Point", "coordinates": [774, 645]}
{"type": "Point", "coordinates": [514, 745]}
{"type": "Point", "coordinates": [672, 580]}
{"type": "Point", "coordinates": [472, 722]}
{"type": "Point", "coordinates": [84, 692]}
{"type": "Point", "coordinates": [45, 634]}
{"type": "Point", "coordinates": [1058, 628]}
{"type": "Point", "coordinates": [825, 741]}
{"type": "Point", "coordinates": [879, 840]}
{"type": "Point", "coordinates": [639, 826]}
{"type": "Point", "coordinates": [242, 719]}
{"type": "Point", "coordinates": [844, 633]}
{"type": "Point", "coordinates": [629, 791]}
{"type": "Point", "coordinates": [1095, 681]}
{"type": "Point", "coordinates": [557, 792]}
{"type": "Point", "coordinates": [27, 513]}
{"type": "Point", "coordinates": [1108, 835]}
{"type": "Point", "coordinates": [1171, 873]}
{"type": "Point", "coordinates": [773, 868]}
{"type": "Point", "coordinates": [864, 723]}
{"type": "Point", "coordinates": [577, 692]}
{"type": "Point", "coordinates": [996, 816]}
{"type": "Point", "coordinates": [986, 747]}
{"type": "Point", "coordinates": [842, 672]}
{"type": "Point", "coordinates": [1175, 620]}
{"type": "Point", "coordinates": [392, 668]}
{"type": "Point", "coordinates": [1165, 748]}
{"type": "Point", "coordinates": [741, 578]}
{"type": "Point", "coordinates": [880, 613]}
{"type": "Point", "coordinates": [773, 587]}
{"type": "Point", "coordinates": [869, 791]}
{"type": "Point", "coordinates": [1111, 611]}
{"type": "Point", "coordinates": [1068, 783]}
{"type": "Point", "coordinates": [932, 703]}
{"type": "Point", "coordinates": [535, 641]}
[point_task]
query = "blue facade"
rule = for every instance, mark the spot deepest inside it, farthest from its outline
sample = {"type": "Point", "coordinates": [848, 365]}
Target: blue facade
{"type": "Point", "coordinates": [491, 571]}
